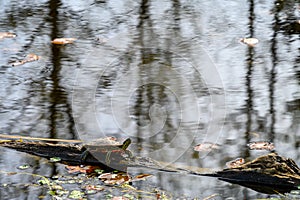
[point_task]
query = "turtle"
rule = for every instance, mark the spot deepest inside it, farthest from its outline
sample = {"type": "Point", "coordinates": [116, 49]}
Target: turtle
{"type": "Point", "coordinates": [108, 147]}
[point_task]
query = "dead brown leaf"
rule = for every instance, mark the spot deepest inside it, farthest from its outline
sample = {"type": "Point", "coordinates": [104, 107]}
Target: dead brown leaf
{"type": "Point", "coordinates": [235, 163]}
{"type": "Point", "coordinates": [115, 179]}
{"type": "Point", "coordinates": [141, 177]}
{"type": "Point", "coordinates": [29, 58]}
{"type": "Point", "coordinates": [78, 169]}
{"type": "Point", "coordinates": [63, 40]}
{"type": "Point", "coordinates": [261, 145]}
{"type": "Point", "coordinates": [249, 41]}
{"type": "Point", "coordinates": [206, 146]}
{"type": "Point", "coordinates": [7, 35]}
{"type": "Point", "coordinates": [94, 187]}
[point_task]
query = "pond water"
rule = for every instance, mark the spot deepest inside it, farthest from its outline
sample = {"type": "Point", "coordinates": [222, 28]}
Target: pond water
{"type": "Point", "coordinates": [168, 74]}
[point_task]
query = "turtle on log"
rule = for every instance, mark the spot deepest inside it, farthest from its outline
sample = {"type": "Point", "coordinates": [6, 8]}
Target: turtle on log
{"type": "Point", "coordinates": [107, 150]}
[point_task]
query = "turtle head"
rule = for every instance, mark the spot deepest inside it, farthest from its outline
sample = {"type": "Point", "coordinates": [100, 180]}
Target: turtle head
{"type": "Point", "coordinates": [126, 143]}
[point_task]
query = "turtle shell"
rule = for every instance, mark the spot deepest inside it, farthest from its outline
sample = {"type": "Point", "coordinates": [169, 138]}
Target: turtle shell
{"type": "Point", "coordinates": [108, 144]}
{"type": "Point", "coordinates": [107, 150]}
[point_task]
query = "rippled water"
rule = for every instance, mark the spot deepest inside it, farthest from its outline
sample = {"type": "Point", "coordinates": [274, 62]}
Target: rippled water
{"type": "Point", "coordinates": [168, 74]}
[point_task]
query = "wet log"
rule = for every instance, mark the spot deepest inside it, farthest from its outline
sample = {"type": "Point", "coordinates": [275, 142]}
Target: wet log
{"type": "Point", "coordinates": [269, 174]}
{"type": "Point", "coordinates": [70, 154]}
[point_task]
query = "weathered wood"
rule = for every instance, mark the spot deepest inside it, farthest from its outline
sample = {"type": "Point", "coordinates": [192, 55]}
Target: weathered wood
{"type": "Point", "coordinates": [70, 154]}
{"type": "Point", "coordinates": [270, 174]}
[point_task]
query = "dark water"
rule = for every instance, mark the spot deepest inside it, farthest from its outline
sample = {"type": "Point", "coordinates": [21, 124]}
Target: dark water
{"type": "Point", "coordinates": [168, 74]}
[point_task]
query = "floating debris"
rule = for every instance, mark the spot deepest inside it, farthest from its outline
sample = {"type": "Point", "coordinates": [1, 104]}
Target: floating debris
{"type": "Point", "coordinates": [119, 198]}
{"type": "Point", "coordinates": [235, 163]}
{"type": "Point", "coordinates": [82, 169]}
{"type": "Point", "coordinates": [63, 40]}
{"type": "Point", "coordinates": [261, 145]}
{"type": "Point", "coordinates": [7, 35]}
{"type": "Point", "coordinates": [22, 167]}
{"type": "Point", "coordinates": [120, 178]}
{"type": "Point", "coordinates": [55, 159]}
{"type": "Point", "coordinates": [100, 40]}
{"type": "Point", "coordinates": [206, 146]}
{"type": "Point", "coordinates": [249, 41]}
{"type": "Point", "coordinates": [76, 194]}
{"type": "Point", "coordinates": [141, 177]}
{"type": "Point", "coordinates": [114, 179]}
{"type": "Point", "coordinates": [94, 188]}
{"type": "Point", "coordinates": [29, 58]}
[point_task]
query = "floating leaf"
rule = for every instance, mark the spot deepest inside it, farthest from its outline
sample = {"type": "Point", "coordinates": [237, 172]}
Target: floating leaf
{"type": "Point", "coordinates": [206, 146]}
{"type": "Point", "coordinates": [22, 167]}
{"type": "Point", "coordinates": [55, 159]}
{"type": "Point", "coordinates": [89, 192]}
{"type": "Point", "coordinates": [51, 192]}
{"type": "Point", "coordinates": [128, 196]}
{"type": "Point", "coordinates": [110, 178]}
{"type": "Point", "coordinates": [29, 58]}
{"type": "Point", "coordinates": [261, 145]}
{"type": "Point", "coordinates": [250, 41]}
{"type": "Point", "coordinates": [235, 163]}
{"type": "Point", "coordinates": [85, 169]}
{"type": "Point", "coordinates": [56, 187]}
{"type": "Point", "coordinates": [43, 181]}
{"type": "Point", "coordinates": [99, 171]}
{"type": "Point", "coordinates": [101, 40]}
{"type": "Point", "coordinates": [72, 181]}
{"type": "Point", "coordinates": [61, 192]}
{"type": "Point", "coordinates": [141, 177]}
{"type": "Point", "coordinates": [11, 173]}
{"type": "Point", "coordinates": [107, 176]}
{"type": "Point", "coordinates": [119, 198]}
{"type": "Point", "coordinates": [7, 35]}
{"type": "Point", "coordinates": [94, 187]}
{"type": "Point", "coordinates": [32, 57]}
{"type": "Point", "coordinates": [76, 194]}
{"type": "Point", "coordinates": [63, 40]}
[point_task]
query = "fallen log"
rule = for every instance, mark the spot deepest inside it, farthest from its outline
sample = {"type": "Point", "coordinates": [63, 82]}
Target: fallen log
{"type": "Point", "coordinates": [269, 174]}
{"type": "Point", "coordinates": [70, 154]}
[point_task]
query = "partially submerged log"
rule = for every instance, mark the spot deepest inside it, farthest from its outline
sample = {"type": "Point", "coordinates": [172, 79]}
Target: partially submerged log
{"type": "Point", "coordinates": [270, 173]}
{"type": "Point", "coordinates": [70, 154]}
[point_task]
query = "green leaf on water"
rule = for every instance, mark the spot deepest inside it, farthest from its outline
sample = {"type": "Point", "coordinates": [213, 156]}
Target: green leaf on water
{"type": "Point", "coordinates": [91, 191]}
{"type": "Point", "coordinates": [51, 192]}
{"type": "Point", "coordinates": [61, 192]}
{"type": "Point", "coordinates": [76, 194]}
{"type": "Point", "coordinates": [99, 171]}
{"type": "Point", "coordinates": [43, 182]}
{"type": "Point", "coordinates": [55, 159]}
{"type": "Point", "coordinates": [22, 167]}
{"type": "Point", "coordinates": [128, 196]}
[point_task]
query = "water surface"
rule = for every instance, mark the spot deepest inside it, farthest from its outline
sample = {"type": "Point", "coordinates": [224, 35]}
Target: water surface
{"type": "Point", "coordinates": [168, 74]}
